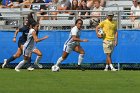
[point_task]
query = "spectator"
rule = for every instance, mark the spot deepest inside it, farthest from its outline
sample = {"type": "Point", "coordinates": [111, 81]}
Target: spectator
{"type": "Point", "coordinates": [41, 14]}
{"type": "Point", "coordinates": [64, 5]}
{"type": "Point", "coordinates": [16, 4]}
{"type": "Point", "coordinates": [74, 6]}
{"type": "Point", "coordinates": [67, 4]}
{"type": "Point", "coordinates": [53, 7]}
{"type": "Point", "coordinates": [7, 3]}
{"type": "Point", "coordinates": [27, 3]}
{"type": "Point", "coordinates": [102, 3]}
{"type": "Point", "coordinates": [110, 37]}
{"type": "Point", "coordinates": [95, 19]}
{"type": "Point", "coordinates": [90, 3]}
{"type": "Point", "coordinates": [77, 0]}
{"type": "Point", "coordinates": [135, 14]}
{"type": "Point", "coordinates": [48, 1]}
{"type": "Point", "coordinates": [83, 6]}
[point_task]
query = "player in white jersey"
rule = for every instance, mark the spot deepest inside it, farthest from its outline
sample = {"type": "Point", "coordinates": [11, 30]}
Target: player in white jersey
{"type": "Point", "coordinates": [29, 45]}
{"type": "Point", "coordinates": [73, 44]}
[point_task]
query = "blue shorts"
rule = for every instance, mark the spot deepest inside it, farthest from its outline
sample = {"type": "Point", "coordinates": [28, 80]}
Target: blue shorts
{"type": "Point", "coordinates": [20, 43]}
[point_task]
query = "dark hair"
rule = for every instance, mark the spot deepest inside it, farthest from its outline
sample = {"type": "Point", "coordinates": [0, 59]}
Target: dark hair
{"type": "Point", "coordinates": [84, 0]}
{"type": "Point", "coordinates": [34, 24]}
{"type": "Point", "coordinates": [74, 7]}
{"type": "Point", "coordinates": [78, 21]}
{"type": "Point", "coordinates": [30, 15]}
{"type": "Point", "coordinates": [97, 1]}
{"type": "Point", "coordinates": [30, 19]}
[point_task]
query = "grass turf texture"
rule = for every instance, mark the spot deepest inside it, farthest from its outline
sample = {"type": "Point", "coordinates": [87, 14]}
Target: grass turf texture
{"type": "Point", "coordinates": [69, 81]}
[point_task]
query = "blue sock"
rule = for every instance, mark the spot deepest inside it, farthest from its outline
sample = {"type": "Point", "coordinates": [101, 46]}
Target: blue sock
{"type": "Point", "coordinates": [10, 59]}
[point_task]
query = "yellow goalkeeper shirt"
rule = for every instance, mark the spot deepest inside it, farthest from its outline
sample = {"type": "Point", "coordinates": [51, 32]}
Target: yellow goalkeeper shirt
{"type": "Point", "coordinates": [109, 29]}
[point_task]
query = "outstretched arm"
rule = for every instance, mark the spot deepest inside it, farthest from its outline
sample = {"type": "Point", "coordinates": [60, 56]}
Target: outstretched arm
{"type": "Point", "coordinates": [74, 38]}
{"type": "Point", "coordinates": [36, 39]}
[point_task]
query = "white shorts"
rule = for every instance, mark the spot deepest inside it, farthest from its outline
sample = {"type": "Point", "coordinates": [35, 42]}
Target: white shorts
{"type": "Point", "coordinates": [27, 50]}
{"type": "Point", "coordinates": [68, 48]}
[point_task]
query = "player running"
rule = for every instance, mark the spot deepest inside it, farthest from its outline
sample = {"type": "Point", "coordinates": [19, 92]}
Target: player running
{"type": "Point", "coordinates": [73, 44]}
{"type": "Point", "coordinates": [29, 46]}
{"type": "Point", "coordinates": [21, 41]}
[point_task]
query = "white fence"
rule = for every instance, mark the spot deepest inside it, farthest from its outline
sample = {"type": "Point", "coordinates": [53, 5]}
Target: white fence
{"type": "Point", "coordinates": [12, 18]}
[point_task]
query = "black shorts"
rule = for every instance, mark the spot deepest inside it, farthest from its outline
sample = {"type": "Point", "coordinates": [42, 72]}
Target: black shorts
{"type": "Point", "coordinates": [20, 43]}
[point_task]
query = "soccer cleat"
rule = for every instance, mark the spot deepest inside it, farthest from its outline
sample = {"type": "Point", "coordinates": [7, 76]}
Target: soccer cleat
{"type": "Point", "coordinates": [80, 68]}
{"type": "Point", "coordinates": [30, 68]}
{"type": "Point", "coordinates": [16, 69]}
{"type": "Point", "coordinates": [113, 69]}
{"type": "Point", "coordinates": [105, 69]}
{"type": "Point", "coordinates": [5, 62]}
{"type": "Point", "coordinates": [39, 65]}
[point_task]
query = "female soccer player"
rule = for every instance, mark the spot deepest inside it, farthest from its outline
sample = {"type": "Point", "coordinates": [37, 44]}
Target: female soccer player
{"type": "Point", "coordinates": [29, 45]}
{"type": "Point", "coordinates": [22, 39]}
{"type": "Point", "coordinates": [73, 44]}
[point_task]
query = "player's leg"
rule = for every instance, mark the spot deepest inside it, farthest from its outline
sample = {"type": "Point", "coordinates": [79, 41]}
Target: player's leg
{"type": "Point", "coordinates": [21, 47]}
{"type": "Point", "coordinates": [38, 58]}
{"type": "Point", "coordinates": [62, 58]}
{"type": "Point", "coordinates": [66, 50]}
{"type": "Point", "coordinates": [12, 58]}
{"type": "Point", "coordinates": [26, 53]}
{"type": "Point", "coordinates": [81, 52]}
{"type": "Point", "coordinates": [31, 68]}
{"type": "Point", "coordinates": [21, 63]}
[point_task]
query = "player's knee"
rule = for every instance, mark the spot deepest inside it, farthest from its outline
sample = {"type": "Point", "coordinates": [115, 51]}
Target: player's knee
{"type": "Point", "coordinates": [82, 52]}
{"type": "Point", "coordinates": [39, 54]}
{"type": "Point", "coordinates": [64, 58]}
{"type": "Point", "coordinates": [17, 55]}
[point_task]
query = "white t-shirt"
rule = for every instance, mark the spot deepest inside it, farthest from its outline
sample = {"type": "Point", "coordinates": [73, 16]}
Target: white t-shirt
{"type": "Point", "coordinates": [74, 31]}
{"type": "Point", "coordinates": [96, 13]}
{"type": "Point", "coordinates": [30, 40]}
{"type": "Point", "coordinates": [135, 10]}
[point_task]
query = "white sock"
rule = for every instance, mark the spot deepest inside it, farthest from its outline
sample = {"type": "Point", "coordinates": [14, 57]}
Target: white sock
{"type": "Point", "coordinates": [21, 64]}
{"type": "Point", "coordinates": [59, 61]}
{"type": "Point", "coordinates": [38, 58]}
{"type": "Point", "coordinates": [106, 67]}
{"type": "Point", "coordinates": [80, 59]}
{"type": "Point", "coordinates": [111, 66]}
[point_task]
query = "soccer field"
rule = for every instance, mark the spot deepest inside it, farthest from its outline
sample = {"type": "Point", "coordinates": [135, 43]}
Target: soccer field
{"type": "Point", "coordinates": [69, 81]}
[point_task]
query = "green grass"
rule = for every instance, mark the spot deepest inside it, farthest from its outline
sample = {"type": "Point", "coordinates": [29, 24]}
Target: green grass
{"type": "Point", "coordinates": [69, 81]}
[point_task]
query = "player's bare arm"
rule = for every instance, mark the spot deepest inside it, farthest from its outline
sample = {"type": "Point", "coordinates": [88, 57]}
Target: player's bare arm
{"type": "Point", "coordinates": [36, 39]}
{"type": "Point", "coordinates": [75, 38]}
{"type": "Point", "coordinates": [15, 34]}
{"type": "Point", "coordinates": [116, 38]}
